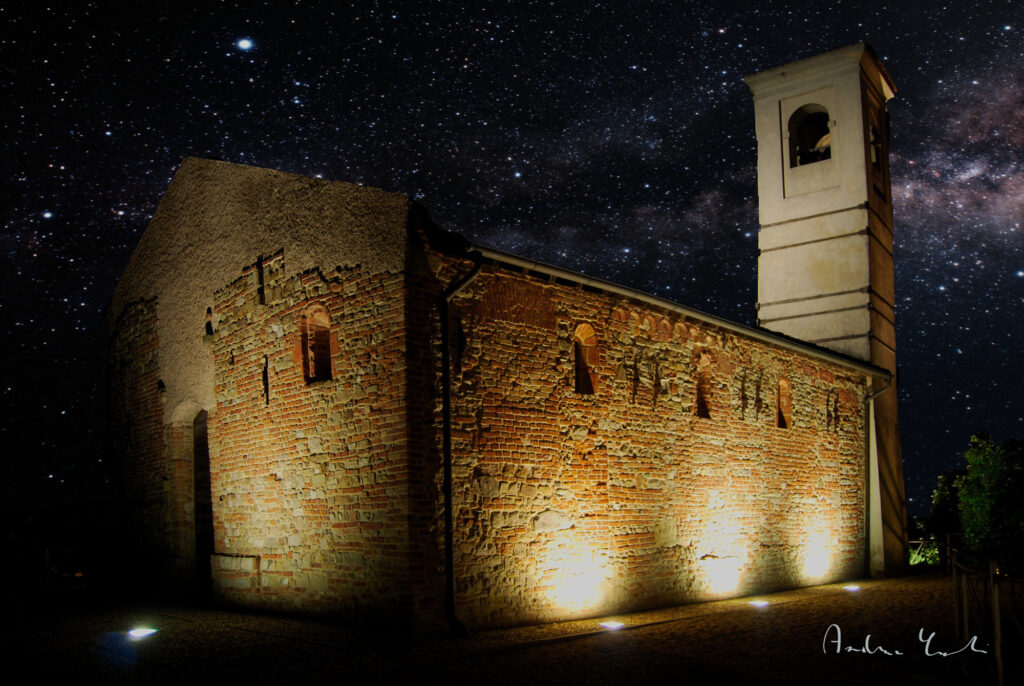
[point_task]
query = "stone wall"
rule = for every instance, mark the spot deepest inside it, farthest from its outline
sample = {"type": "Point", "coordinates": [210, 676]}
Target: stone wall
{"type": "Point", "coordinates": [570, 503]}
{"type": "Point", "coordinates": [156, 487]}
{"type": "Point", "coordinates": [309, 476]}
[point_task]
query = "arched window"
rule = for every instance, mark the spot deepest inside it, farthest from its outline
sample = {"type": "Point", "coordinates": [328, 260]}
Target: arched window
{"type": "Point", "coordinates": [585, 356]}
{"type": "Point", "coordinates": [316, 344]}
{"type": "Point", "coordinates": [810, 139]}
{"type": "Point", "coordinates": [783, 405]}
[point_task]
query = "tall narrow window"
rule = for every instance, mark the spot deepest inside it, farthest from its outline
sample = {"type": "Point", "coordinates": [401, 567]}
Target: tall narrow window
{"type": "Point", "coordinates": [704, 374]}
{"type": "Point", "coordinates": [266, 380]}
{"type": "Point", "coordinates": [316, 344]}
{"type": "Point", "coordinates": [202, 518]}
{"type": "Point", "coordinates": [585, 354]}
{"type": "Point", "coordinates": [783, 405]}
{"type": "Point", "coordinates": [261, 286]}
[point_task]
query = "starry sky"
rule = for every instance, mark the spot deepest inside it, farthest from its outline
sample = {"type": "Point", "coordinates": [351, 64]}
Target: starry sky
{"type": "Point", "coordinates": [614, 139]}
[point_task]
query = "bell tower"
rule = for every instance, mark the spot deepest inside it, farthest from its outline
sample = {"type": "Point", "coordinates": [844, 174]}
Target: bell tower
{"type": "Point", "coordinates": [825, 264]}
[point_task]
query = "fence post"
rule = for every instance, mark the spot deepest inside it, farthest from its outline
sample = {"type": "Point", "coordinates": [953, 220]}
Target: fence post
{"type": "Point", "coordinates": [957, 610]}
{"type": "Point", "coordinates": [964, 607]}
{"type": "Point", "coordinates": [997, 633]}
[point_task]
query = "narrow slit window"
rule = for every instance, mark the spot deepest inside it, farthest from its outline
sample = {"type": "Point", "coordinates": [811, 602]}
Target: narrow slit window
{"type": "Point", "coordinates": [704, 374]}
{"type": "Point", "coordinates": [261, 286]}
{"type": "Point", "coordinates": [783, 405]}
{"type": "Point", "coordinates": [266, 380]}
{"type": "Point", "coordinates": [585, 354]}
{"type": "Point", "coordinates": [316, 344]}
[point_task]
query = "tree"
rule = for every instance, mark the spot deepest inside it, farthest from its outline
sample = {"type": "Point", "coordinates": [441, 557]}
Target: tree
{"type": "Point", "coordinates": [944, 517]}
{"type": "Point", "coordinates": [992, 501]}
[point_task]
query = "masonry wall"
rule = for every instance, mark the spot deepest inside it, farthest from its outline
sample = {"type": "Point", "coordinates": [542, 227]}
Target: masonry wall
{"type": "Point", "coordinates": [309, 478]}
{"type": "Point", "coordinates": [570, 504]}
{"type": "Point", "coordinates": [156, 481]}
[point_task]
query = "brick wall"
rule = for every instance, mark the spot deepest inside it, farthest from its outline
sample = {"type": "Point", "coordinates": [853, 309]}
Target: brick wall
{"type": "Point", "coordinates": [570, 504]}
{"type": "Point", "coordinates": [309, 478]}
{"type": "Point", "coordinates": [574, 494]}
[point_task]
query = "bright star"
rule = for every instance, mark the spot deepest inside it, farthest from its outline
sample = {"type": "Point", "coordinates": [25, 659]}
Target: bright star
{"type": "Point", "coordinates": [244, 44]}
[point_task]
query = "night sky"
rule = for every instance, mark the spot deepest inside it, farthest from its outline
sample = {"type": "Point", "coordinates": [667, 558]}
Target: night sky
{"type": "Point", "coordinates": [614, 139]}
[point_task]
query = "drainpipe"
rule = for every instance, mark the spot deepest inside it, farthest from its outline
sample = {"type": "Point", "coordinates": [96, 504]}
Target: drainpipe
{"type": "Point", "coordinates": [455, 626]}
{"type": "Point", "coordinates": [872, 502]}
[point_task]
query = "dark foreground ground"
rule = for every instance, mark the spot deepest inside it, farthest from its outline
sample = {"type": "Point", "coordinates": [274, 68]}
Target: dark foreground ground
{"type": "Point", "coordinates": [74, 637]}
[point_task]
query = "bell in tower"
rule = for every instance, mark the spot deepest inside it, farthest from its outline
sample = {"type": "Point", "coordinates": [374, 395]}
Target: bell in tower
{"type": "Point", "coordinates": [825, 264]}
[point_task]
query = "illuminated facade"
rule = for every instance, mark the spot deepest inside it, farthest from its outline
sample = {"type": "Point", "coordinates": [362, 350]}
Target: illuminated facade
{"type": "Point", "coordinates": [323, 402]}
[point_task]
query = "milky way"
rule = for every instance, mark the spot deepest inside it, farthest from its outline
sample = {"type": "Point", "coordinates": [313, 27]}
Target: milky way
{"type": "Point", "coordinates": [612, 140]}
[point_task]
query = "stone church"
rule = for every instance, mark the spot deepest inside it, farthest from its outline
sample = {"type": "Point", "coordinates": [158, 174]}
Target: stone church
{"type": "Point", "coordinates": [322, 402]}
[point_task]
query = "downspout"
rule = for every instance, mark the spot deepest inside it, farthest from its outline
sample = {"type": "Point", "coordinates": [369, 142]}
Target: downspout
{"type": "Point", "coordinates": [455, 626]}
{"type": "Point", "coordinates": [871, 481]}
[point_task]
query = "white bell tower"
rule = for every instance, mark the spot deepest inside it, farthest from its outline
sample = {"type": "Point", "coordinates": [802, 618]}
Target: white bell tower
{"type": "Point", "coordinates": [825, 265]}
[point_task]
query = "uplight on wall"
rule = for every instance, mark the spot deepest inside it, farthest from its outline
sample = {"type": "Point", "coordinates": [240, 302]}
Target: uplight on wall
{"type": "Point", "coordinates": [721, 573]}
{"type": "Point", "coordinates": [722, 566]}
{"type": "Point", "coordinates": [578, 575]}
{"type": "Point", "coordinates": [816, 561]}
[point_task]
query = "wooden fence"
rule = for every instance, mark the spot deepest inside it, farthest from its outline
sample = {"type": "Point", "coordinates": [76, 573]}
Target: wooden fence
{"type": "Point", "coordinates": [988, 601]}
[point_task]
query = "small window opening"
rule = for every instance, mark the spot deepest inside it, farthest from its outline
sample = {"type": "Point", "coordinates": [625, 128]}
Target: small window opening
{"type": "Point", "coordinates": [783, 405]}
{"type": "Point", "coordinates": [209, 321]}
{"type": "Point", "coordinates": [261, 290]}
{"type": "Point", "coordinates": [316, 345]}
{"type": "Point", "coordinates": [810, 139]}
{"type": "Point", "coordinates": [876, 148]}
{"type": "Point", "coordinates": [585, 353]}
{"type": "Point", "coordinates": [266, 380]}
{"type": "Point", "coordinates": [832, 410]}
{"type": "Point", "coordinates": [702, 404]}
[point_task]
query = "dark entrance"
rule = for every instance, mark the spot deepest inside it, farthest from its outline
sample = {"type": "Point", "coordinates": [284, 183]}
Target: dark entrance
{"type": "Point", "coordinates": [203, 503]}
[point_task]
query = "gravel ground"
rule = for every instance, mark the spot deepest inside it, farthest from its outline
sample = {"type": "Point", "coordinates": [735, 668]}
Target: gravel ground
{"type": "Point", "coordinates": [787, 642]}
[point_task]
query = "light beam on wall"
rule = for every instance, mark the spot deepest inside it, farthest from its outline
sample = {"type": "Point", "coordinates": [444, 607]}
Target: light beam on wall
{"type": "Point", "coordinates": [722, 573]}
{"type": "Point", "coordinates": [578, 575]}
{"type": "Point", "coordinates": [727, 546]}
{"type": "Point", "coordinates": [817, 555]}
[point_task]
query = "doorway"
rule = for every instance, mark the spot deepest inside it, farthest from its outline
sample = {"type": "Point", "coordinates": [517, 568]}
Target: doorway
{"type": "Point", "coordinates": [203, 516]}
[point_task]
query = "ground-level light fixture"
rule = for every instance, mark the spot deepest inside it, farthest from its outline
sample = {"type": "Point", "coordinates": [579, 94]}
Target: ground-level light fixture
{"type": "Point", "coordinates": [140, 633]}
{"type": "Point", "coordinates": [851, 588]}
{"type": "Point", "coordinates": [612, 626]}
{"type": "Point", "coordinates": [759, 603]}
